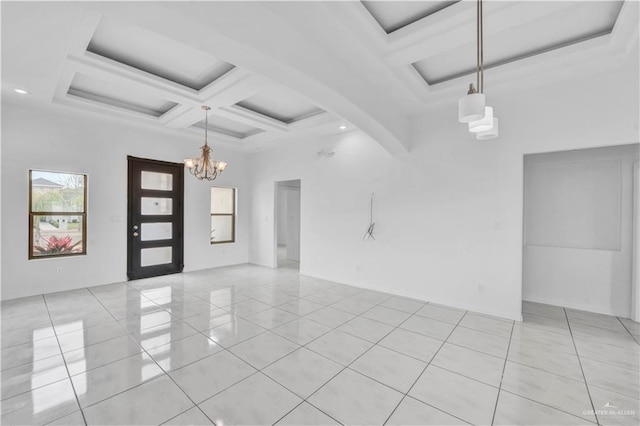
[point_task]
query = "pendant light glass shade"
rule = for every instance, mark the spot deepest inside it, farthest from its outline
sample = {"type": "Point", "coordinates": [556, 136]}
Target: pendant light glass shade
{"type": "Point", "coordinates": [491, 133]}
{"type": "Point", "coordinates": [471, 107]}
{"type": "Point", "coordinates": [484, 124]}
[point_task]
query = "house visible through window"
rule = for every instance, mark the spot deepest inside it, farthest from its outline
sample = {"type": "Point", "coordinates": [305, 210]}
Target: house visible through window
{"type": "Point", "coordinates": [57, 214]}
{"type": "Point", "coordinates": [223, 215]}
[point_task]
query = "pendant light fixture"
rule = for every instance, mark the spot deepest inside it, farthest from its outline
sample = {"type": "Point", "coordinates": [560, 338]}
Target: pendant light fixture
{"type": "Point", "coordinates": [205, 167]}
{"type": "Point", "coordinates": [472, 108]}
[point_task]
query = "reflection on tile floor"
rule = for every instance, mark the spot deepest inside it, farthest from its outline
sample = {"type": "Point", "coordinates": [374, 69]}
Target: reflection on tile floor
{"type": "Point", "coordinates": [253, 345]}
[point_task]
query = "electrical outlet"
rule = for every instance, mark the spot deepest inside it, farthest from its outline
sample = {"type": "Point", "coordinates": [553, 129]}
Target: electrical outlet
{"type": "Point", "coordinates": [481, 288]}
{"type": "Point", "coordinates": [357, 268]}
{"type": "Point", "coordinates": [59, 271]}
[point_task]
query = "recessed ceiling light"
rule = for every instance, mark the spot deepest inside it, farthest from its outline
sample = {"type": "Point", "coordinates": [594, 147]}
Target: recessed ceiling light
{"type": "Point", "coordinates": [21, 91]}
{"type": "Point", "coordinates": [342, 127]}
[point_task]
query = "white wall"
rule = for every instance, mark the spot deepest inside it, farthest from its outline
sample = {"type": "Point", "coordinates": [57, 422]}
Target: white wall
{"type": "Point", "coordinates": [449, 214]}
{"type": "Point", "coordinates": [281, 213]}
{"type": "Point", "coordinates": [578, 250]}
{"type": "Point", "coordinates": [54, 139]}
{"type": "Point", "coordinates": [293, 224]}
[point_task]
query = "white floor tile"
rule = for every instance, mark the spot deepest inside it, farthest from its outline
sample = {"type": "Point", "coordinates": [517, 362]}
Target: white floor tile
{"type": "Point", "coordinates": [210, 375]}
{"type": "Point", "coordinates": [340, 347]}
{"type": "Point", "coordinates": [412, 344]}
{"type": "Point", "coordinates": [40, 406]}
{"type": "Point", "coordinates": [413, 412]}
{"type": "Point", "coordinates": [185, 351]}
{"type": "Point", "coordinates": [28, 353]}
{"type": "Point", "coordinates": [491, 325]}
{"type": "Point", "coordinates": [386, 315]}
{"type": "Point", "coordinates": [440, 313]}
{"type": "Point", "coordinates": [257, 400]}
{"type": "Point", "coordinates": [403, 304]}
{"type": "Point", "coordinates": [234, 332]}
{"type": "Point", "coordinates": [543, 310]}
{"type": "Point", "coordinates": [614, 408]}
{"type": "Point", "coordinates": [366, 329]}
{"type": "Point", "coordinates": [306, 414]}
{"type": "Point", "coordinates": [102, 353]}
{"type": "Point", "coordinates": [330, 317]}
{"type": "Point", "coordinates": [621, 380]}
{"type": "Point", "coordinates": [303, 371]}
{"type": "Point", "coordinates": [264, 349]}
{"type": "Point", "coordinates": [272, 318]}
{"type": "Point", "coordinates": [352, 398]}
{"type": "Point", "coordinates": [154, 402]}
{"type": "Point", "coordinates": [568, 395]}
{"type": "Point", "coordinates": [301, 331]}
{"type": "Point", "coordinates": [103, 382]}
{"type": "Point", "coordinates": [480, 341]}
{"type": "Point", "coordinates": [26, 377]}
{"type": "Point", "coordinates": [428, 327]}
{"type": "Point", "coordinates": [456, 395]}
{"type": "Point", "coordinates": [545, 357]}
{"type": "Point", "coordinates": [194, 324]}
{"type": "Point", "coordinates": [473, 364]}
{"type": "Point", "coordinates": [193, 416]}
{"type": "Point", "coordinates": [515, 410]}
{"type": "Point", "coordinates": [389, 367]}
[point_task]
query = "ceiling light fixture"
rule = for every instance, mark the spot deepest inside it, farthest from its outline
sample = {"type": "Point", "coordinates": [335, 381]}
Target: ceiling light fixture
{"type": "Point", "coordinates": [21, 91]}
{"type": "Point", "coordinates": [342, 127]}
{"type": "Point", "coordinates": [472, 108]}
{"type": "Point", "coordinates": [205, 167]}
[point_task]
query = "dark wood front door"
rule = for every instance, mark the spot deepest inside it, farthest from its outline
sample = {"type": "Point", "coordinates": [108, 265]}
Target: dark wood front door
{"type": "Point", "coordinates": [155, 218]}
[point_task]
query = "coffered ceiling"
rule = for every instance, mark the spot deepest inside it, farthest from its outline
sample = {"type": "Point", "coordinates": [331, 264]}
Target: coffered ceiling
{"type": "Point", "coordinates": [276, 70]}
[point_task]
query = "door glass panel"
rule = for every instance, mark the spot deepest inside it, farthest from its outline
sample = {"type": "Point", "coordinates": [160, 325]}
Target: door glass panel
{"type": "Point", "coordinates": [157, 181]}
{"type": "Point", "coordinates": [155, 256]}
{"type": "Point", "coordinates": [221, 228]}
{"type": "Point", "coordinates": [156, 231]}
{"type": "Point", "coordinates": [152, 206]}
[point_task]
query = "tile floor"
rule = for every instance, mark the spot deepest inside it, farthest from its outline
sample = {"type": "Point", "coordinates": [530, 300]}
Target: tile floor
{"type": "Point", "coordinates": [251, 345]}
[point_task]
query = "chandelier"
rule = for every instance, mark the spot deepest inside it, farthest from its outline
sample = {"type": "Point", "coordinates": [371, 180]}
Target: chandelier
{"type": "Point", "coordinates": [205, 167]}
{"type": "Point", "coordinates": [472, 109]}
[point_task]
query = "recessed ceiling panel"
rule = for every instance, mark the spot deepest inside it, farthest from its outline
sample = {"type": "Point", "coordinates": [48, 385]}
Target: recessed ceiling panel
{"type": "Point", "coordinates": [156, 54]}
{"type": "Point", "coordinates": [280, 104]}
{"type": "Point", "coordinates": [393, 15]}
{"type": "Point", "coordinates": [579, 22]}
{"type": "Point", "coordinates": [228, 127]}
{"type": "Point", "coordinates": [111, 94]}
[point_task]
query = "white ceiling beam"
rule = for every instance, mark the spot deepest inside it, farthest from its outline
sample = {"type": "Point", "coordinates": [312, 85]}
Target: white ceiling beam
{"type": "Point", "coordinates": [436, 34]}
{"type": "Point", "coordinates": [125, 76]}
{"type": "Point", "coordinates": [252, 118]}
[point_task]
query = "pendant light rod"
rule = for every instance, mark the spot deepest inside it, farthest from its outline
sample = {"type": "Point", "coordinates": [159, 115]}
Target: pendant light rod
{"type": "Point", "coordinates": [206, 108]}
{"type": "Point", "coordinates": [481, 47]}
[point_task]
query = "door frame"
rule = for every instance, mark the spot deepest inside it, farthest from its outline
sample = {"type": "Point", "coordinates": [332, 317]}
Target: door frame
{"type": "Point", "coordinates": [635, 250]}
{"type": "Point", "coordinates": [276, 200]}
{"type": "Point", "coordinates": [178, 184]}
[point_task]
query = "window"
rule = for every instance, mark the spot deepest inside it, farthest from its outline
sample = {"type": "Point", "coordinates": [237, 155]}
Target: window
{"type": "Point", "coordinates": [57, 214]}
{"type": "Point", "coordinates": [223, 215]}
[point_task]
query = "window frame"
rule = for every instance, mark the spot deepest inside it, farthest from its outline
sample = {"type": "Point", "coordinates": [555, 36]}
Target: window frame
{"type": "Point", "coordinates": [33, 214]}
{"type": "Point", "coordinates": [232, 215]}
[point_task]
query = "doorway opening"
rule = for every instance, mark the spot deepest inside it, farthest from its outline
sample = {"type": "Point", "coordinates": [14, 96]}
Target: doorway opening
{"type": "Point", "coordinates": [578, 246]}
{"type": "Point", "coordinates": [287, 224]}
